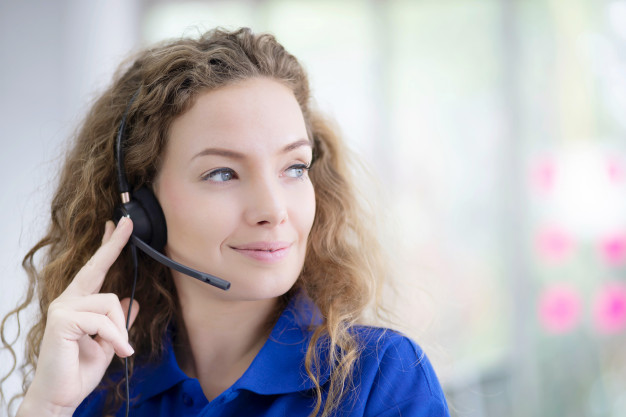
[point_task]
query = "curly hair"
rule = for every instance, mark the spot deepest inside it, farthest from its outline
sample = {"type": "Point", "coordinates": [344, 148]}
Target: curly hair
{"type": "Point", "coordinates": [341, 270]}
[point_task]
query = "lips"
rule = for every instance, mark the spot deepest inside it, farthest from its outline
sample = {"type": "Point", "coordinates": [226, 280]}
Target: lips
{"type": "Point", "coordinates": [264, 251]}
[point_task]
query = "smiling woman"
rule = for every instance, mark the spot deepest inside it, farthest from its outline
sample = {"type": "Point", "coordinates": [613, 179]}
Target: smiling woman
{"type": "Point", "coordinates": [238, 152]}
{"type": "Point", "coordinates": [255, 188]}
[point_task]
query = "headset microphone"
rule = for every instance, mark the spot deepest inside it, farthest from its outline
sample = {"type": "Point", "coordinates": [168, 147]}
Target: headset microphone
{"type": "Point", "coordinates": [159, 257]}
{"type": "Point", "coordinates": [149, 227]}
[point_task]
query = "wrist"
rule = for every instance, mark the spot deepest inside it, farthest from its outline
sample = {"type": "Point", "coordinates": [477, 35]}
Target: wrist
{"type": "Point", "coordinates": [34, 407]}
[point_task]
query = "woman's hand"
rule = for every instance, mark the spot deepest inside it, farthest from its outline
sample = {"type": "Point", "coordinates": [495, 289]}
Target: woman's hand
{"type": "Point", "coordinates": [71, 362]}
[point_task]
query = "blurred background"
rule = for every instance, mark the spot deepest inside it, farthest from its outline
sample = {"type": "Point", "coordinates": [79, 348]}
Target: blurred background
{"type": "Point", "coordinates": [494, 130]}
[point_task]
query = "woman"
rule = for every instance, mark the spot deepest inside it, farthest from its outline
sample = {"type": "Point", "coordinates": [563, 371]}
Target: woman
{"type": "Point", "coordinates": [255, 189]}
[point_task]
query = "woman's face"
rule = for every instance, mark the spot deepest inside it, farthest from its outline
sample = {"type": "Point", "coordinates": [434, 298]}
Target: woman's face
{"type": "Point", "coordinates": [235, 190]}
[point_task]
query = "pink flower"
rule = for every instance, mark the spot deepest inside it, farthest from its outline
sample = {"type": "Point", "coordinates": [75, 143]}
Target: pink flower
{"type": "Point", "coordinates": [559, 308]}
{"type": "Point", "coordinates": [609, 309]}
{"type": "Point", "coordinates": [613, 249]}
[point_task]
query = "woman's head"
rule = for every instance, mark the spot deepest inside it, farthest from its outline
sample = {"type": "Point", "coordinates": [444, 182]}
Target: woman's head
{"type": "Point", "coordinates": [170, 79]}
{"type": "Point", "coordinates": [341, 267]}
{"type": "Point", "coordinates": [233, 184]}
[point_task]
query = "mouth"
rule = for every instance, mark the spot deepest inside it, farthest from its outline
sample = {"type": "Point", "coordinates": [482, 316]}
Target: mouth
{"type": "Point", "coordinates": [264, 251]}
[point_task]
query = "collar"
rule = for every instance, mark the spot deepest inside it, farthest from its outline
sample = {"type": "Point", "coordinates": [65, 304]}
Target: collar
{"type": "Point", "coordinates": [278, 368]}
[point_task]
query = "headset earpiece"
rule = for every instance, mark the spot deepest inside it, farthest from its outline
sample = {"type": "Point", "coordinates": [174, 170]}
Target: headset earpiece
{"type": "Point", "coordinates": [156, 218]}
{"type": "Point", "coordinates": [147, 216]}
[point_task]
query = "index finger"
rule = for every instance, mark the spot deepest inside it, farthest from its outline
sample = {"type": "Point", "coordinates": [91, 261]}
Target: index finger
{"type": "Point", "coordinates": [91, 276]}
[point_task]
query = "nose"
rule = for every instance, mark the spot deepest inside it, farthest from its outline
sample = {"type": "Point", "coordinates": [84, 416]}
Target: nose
{"type": "Point", "coordinates": [266, 206]}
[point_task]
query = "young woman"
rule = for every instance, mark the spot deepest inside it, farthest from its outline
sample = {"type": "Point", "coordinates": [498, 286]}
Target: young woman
{"type": "Point", "coordinates": [255, 189]}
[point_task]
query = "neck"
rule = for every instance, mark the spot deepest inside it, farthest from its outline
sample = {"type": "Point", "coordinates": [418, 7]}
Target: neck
{"type": "Point", "coordinates": [219, 338]}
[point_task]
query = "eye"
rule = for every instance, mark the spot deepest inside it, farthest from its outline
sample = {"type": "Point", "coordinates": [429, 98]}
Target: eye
{"type": "Point", "coordinates": [220, 175]}
{"type": "Point", "coordinates": [297, 170]}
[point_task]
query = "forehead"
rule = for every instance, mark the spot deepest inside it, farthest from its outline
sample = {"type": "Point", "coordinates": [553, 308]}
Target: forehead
{"type": "Point", "coordinates": [252, 115]}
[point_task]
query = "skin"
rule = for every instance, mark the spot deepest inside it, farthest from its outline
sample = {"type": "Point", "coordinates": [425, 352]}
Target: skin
{"type": "Point", "coordinates": [238, 204]}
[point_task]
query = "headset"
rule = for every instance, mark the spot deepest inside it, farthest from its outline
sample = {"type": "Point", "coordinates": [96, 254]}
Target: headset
{"type": "Point", "coordinates": [149, 229]}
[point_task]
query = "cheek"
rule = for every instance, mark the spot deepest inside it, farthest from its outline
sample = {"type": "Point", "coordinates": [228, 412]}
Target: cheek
{"type": "Point", "coordinates": [305, 211]}
{"type": "Point", "coordinates": [193, 217]}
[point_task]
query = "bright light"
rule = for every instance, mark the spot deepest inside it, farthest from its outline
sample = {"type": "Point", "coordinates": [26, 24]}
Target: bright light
{"type": "Point", "coordinates": [586, 199]}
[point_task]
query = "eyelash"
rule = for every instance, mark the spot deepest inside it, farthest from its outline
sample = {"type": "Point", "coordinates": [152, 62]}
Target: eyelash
{"type": "Point", "coordinates": [207, 177]}
{"type": "Point", "coordinates": [305, 168]}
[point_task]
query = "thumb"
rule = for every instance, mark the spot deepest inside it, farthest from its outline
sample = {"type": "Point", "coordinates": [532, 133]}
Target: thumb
{"type": "Point", "coordinates": [133, 313]}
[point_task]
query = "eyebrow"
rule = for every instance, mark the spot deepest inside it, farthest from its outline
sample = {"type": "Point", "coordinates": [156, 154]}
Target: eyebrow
{"type": "Point", "coordinates": [229, 153]}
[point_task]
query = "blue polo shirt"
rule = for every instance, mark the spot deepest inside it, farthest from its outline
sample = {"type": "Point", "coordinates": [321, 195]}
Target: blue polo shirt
{"type": "Point", "coordinates": [393, 378]}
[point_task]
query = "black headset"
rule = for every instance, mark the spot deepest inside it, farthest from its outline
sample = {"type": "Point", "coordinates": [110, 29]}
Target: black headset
{"type": "Point", "coordinates": [143, 208]}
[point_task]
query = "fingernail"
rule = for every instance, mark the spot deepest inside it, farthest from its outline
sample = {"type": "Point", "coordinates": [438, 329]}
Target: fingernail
{"type": "Point", "coordinates": [132, 351]}
{"type": "Point", "coordinates": [122, 221]}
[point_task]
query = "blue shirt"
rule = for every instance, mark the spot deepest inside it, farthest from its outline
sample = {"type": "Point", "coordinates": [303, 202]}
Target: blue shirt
{"type": "Point", "coordinates": [393, 378]}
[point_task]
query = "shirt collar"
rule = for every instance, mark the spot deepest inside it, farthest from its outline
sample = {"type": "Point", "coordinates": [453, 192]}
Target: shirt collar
{"type": "Point", "coordinates": [278, 368]}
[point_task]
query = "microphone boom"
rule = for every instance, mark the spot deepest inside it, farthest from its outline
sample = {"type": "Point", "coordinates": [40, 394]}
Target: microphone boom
{"type": "Point", "coordinates": [159, 257]}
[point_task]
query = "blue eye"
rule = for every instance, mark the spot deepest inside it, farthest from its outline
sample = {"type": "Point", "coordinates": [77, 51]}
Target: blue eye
{"type": "Point", "coordinates": [220, 175]}
{"type": "Point", "coordinates": [297, 171]}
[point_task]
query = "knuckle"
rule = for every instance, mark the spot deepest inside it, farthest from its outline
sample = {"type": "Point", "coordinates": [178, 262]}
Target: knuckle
{"type": "Point", "coordinates": [111, 299]}
{"type": "Point", "coordinates": [53, 313]}
{"type": "Point", "coordinates": [54, 306]}
{"type": "Point", "coordinates": [95, 267]}
{"type": "Point", "coordinates": [90, 265]}
{"type": "Point", "coordinates": [56, 314]}
{"type": "Point", "coordinates": [91, 262]}
{"type": "Point", "coordinates": [115, 243]}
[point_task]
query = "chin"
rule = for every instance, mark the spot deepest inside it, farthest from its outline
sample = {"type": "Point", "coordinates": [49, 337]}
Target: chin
{"type": "Point", "coordinates": [261, 288]}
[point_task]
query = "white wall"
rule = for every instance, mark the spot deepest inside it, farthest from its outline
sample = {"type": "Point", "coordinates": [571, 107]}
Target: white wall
{"type": "Point", "coordinates": [54, 57]}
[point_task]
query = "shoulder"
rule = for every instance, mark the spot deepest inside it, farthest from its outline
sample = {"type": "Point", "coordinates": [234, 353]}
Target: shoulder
{"type": "Point", "coordinates": [395, 376]}
{"type": "Point", "coordinates": [389, 347]}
